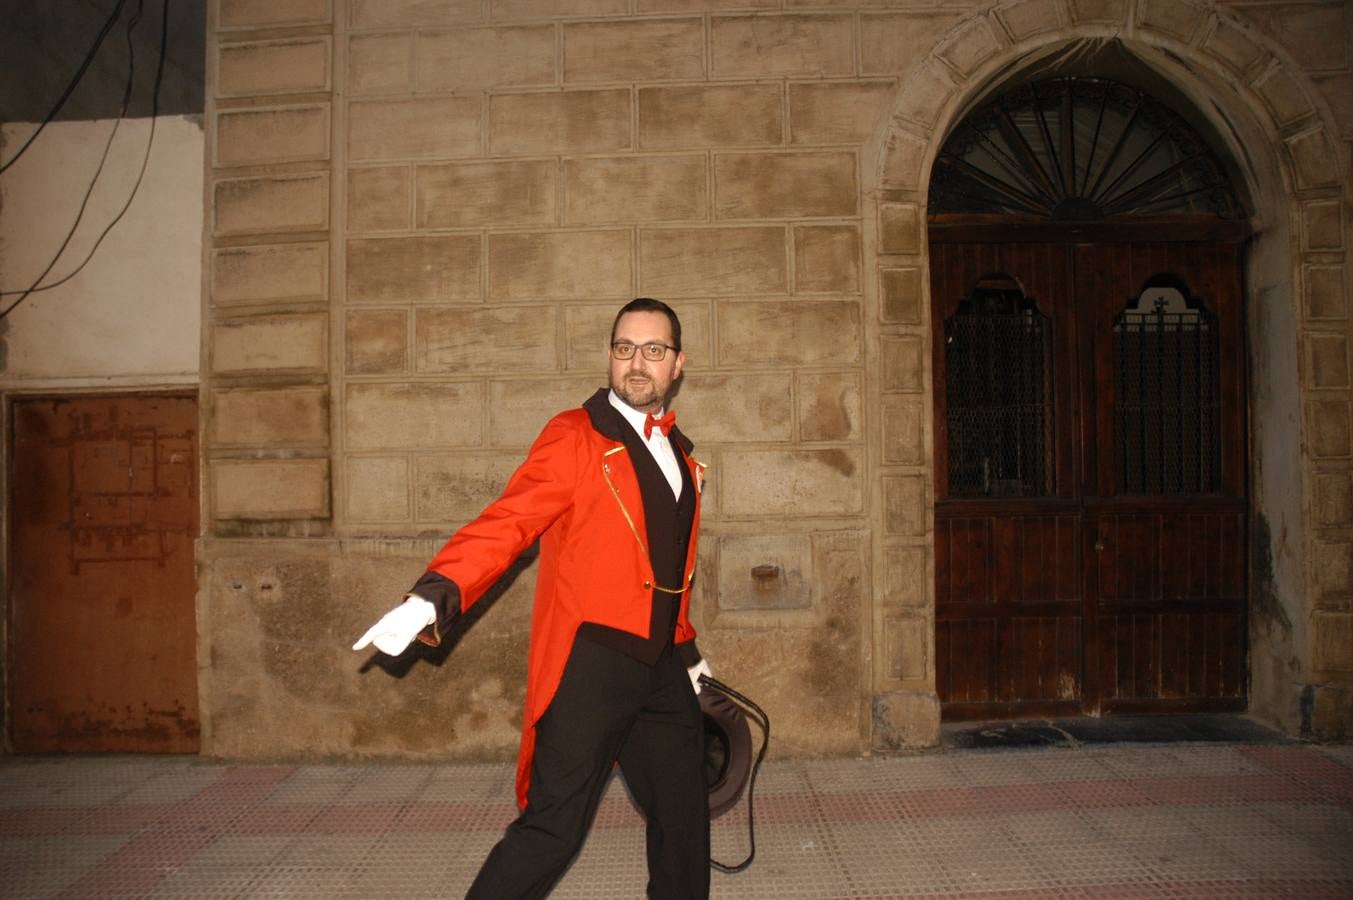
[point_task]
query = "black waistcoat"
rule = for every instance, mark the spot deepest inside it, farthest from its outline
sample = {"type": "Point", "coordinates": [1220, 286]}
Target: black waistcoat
{"type": "Point", "coordinates": [668, 521]}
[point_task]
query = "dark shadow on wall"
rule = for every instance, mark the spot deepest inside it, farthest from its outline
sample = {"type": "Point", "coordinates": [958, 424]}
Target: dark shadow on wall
{"type": "Point", "coordinates": [44, 43]}
{"type": "Point", "coordinates": [399, 666]}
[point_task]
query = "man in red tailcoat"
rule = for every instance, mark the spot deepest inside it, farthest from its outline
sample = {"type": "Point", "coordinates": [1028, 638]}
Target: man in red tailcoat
{"type": "Point", "coordinates": [613, 495]}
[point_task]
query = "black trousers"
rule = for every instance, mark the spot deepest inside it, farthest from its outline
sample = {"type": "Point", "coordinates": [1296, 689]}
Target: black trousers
{"type": "Point", "coordinates": [610, 708]}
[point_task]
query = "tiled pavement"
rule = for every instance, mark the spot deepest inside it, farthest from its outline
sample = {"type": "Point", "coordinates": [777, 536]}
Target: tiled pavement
{"type": "Point", "coordinates": [1119, 820]}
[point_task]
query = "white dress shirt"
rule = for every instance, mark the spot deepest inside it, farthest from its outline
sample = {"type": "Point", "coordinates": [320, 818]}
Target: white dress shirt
{"type": "Point", "coordinates": [658, 443]}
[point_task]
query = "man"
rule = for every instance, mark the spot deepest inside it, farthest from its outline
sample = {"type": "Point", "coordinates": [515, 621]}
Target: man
{"type": "Point", "coordinates": [613, 495]}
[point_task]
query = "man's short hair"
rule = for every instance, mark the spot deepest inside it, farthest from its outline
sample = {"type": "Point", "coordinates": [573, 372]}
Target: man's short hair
{"type": "Point", "coordinates": [648, 304]}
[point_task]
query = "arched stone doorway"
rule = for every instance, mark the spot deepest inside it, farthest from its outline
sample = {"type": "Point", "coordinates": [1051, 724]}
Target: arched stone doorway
{"type": "Point", "coordinates": [1288, 160]}
{"type": "Point", "coordinates": [1090, 462]}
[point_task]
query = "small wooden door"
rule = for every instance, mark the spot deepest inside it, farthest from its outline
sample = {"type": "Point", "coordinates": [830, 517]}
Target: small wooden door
{"type": "Point", "coordinates": [1090, 477]}
{"type": "Point", "coordinates": [103, 519]}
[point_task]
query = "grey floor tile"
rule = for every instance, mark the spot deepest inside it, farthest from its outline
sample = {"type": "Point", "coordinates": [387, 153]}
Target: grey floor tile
{"type": "Point", "coordinates": [293, 882]}
{"type": "Point", "coordinates": [886, 857]}
{"type": "Point", "coordinates": [327, 851]}
{"type": "Point", "coordinates": [1179, 761]}
{"type": "Point", "coordinates": [791, 862]}
{"type": "Point", "coordinates": [243, 852]}
{"type": "Point", "coordinates": [1326, 829]}
{"type": "Point", "coordinates": [1066, 850]}
{"type": "Point", "coordinates": [44, 866]}
{"type": "Point", "coordinates": [205, 883]}
{"type": "Point", "coordinates": [991, 768]}
{"type": "Point", "coordinates": [1166, 845]}
{"type": "Point", "coordinates": [1260, 847]}
{"type": "Point", "coordinates": [171, 787]}
{"type": "Point", "coordinates": [388, 784]}
{"type": "Point", "coordinates": [1061, 764]}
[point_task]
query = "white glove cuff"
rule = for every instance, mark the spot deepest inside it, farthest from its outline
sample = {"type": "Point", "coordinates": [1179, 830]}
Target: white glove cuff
{"type": "Point", "coordinates": [413, 601]}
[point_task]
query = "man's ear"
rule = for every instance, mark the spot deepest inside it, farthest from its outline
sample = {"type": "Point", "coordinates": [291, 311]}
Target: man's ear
{"type": "Point", "coordinates": [680, 363]}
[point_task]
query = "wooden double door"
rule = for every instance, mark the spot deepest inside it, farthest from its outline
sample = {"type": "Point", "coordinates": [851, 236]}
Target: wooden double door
{"type": "Point", "coordinates": [1091, 508]}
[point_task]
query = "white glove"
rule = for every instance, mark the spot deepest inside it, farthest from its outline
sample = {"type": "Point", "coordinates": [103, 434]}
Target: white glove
{"type": "Point", "coordinates": [695, 671]}
{"type": "Point", "coordinates": [397, 628]}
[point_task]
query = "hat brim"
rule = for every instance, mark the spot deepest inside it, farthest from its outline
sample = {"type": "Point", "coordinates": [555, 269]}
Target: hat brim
{"type": "Point", "coordinates": [728, 751]}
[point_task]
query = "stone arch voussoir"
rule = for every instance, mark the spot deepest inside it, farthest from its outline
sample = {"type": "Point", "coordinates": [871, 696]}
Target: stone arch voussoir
{"type": "Point", "coordinates": [1271, 90]}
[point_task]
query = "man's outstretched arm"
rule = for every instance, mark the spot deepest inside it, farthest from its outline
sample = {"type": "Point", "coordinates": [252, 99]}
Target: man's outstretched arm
{"type": "Point", "coordinates": [536, 494]}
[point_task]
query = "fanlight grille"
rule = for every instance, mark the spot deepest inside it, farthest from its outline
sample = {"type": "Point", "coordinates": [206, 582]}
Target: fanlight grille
{"type": "Point", "coordinates": [1079, 150]}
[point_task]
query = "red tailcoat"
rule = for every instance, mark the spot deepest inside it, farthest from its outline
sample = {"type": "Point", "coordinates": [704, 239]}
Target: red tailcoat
{"type": "Point", "coordinates": [577, 492]}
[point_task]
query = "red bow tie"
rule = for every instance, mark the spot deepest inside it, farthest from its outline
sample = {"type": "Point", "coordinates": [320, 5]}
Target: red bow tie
{"type": "Point", "coordinates": [664, 423]}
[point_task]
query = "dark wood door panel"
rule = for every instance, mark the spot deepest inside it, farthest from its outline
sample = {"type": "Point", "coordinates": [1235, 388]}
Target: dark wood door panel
{"type": "Point", "coordinates": [1167, 630]}
{"type": "Point", "coordinates": [1126, 560]}
{"type": "Point", "coordinates": [1013, 562]}
{"type": "Point", "coordinates": [1015, 665]}
{"type": "Point", "coordinates": [1008, 614]}
{"type": "Point", "coordinates": [1164, 556]}
{"type": "Point", "coordinates": [966, 653]}
{"type": "Point", "coordinates": [963, 558]}
{"type": "Point", "coordinates": [1158, 662]}
{"type": "Point", "coordinates": [1120, 589]}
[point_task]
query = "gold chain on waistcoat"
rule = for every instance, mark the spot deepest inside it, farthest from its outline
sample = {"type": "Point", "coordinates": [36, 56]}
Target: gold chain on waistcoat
{"type": "Point", "coordinates": [606, 473]}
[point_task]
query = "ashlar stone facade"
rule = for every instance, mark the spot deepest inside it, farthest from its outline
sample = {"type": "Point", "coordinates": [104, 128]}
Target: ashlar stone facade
{"type": "Point", "coordinates": [422, 215]}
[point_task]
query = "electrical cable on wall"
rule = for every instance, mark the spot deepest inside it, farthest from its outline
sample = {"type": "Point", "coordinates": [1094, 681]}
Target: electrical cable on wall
{"type": "Point", "coordinates": [70, 88]}
{"type": "Point", "coordinates": [154, 114]}
{"type": "Point", "coordinates": [122, 113]}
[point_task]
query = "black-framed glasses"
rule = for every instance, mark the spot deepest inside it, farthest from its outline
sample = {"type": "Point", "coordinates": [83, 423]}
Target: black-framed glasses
{"type": "Point", "coordinates": [652, 351]}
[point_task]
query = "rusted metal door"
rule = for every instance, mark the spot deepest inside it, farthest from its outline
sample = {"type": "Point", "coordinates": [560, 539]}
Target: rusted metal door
{"type": "Point", "coordinates": [103, 519]}
{"type": "Point", "coordinates": [1090, 478]}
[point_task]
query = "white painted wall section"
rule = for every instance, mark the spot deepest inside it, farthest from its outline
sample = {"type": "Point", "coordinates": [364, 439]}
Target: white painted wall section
{"type": "Point", "coordinates": [132, 316]}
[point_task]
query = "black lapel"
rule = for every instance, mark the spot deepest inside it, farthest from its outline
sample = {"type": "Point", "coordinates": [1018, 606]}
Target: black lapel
{"type": "Point", "coordinates": [608, 421]}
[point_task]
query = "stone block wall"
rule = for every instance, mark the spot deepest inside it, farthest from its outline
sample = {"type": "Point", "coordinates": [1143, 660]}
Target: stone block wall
{"type": "Point", "coordinates": [266, 371]}
{"type": "Point", "coordinates": [1298, 64]}
{"type": "Point", "coordinates": [422, 217]}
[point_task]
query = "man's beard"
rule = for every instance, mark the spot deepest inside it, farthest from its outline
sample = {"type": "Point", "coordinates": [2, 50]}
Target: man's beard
{"type": "Point", "coordinates": [641, 395]}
